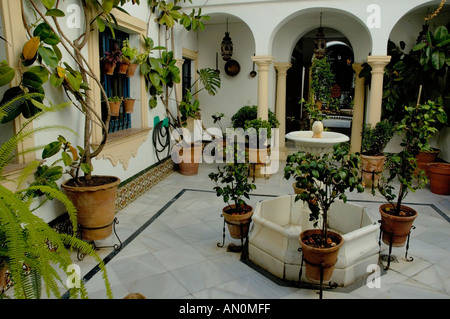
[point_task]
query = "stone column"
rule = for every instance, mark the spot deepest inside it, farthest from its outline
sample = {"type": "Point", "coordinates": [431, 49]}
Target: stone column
{"type": "Point", "coordinates": [358, 110]}
{"type": "Point", "coordinates": [376, 87]}
{"type": "Point", "coordinates": [263, 62]}
{"type": "Point", "coordinates": [280, 107]}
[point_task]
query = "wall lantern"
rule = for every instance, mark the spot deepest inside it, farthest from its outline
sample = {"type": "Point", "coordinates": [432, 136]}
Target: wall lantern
{"type": "Point", "coordinates": [319, 42]}
{"type": "Point", "coordinates": [227, 46]}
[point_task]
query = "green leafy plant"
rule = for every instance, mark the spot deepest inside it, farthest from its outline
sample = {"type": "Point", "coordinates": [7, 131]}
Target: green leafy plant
{"type": "Point", "coordinates": [115, 99]}
{"type": "Point", "coordinates": [128, 51]}
{"type": "Point", "coordinates": [259, 131]}
{"type": "Point", "coordinates": [30, 248]}
{"type": "Point", "coordinates": [322, 79]}
{"type": "Point", "coordinates": [375, 139]}
{"type": "Point", "coordinates": [232, 181]}
{"type": "Point", "coordinates": [250, 113]}
{"type": "Point", "coordinates": [324, 178]}
{"type": "Point", "coordinates": [418, 125]}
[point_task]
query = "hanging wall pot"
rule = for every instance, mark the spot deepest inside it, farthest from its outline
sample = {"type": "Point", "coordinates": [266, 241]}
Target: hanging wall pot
{"type": "Point", "coordinates": [232, 68]}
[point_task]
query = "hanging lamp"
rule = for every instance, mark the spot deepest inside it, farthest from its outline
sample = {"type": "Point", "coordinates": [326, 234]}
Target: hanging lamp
{"type": "Point", "coordinates": [227, 46]}
{"type": "Point", "coordinates": [319, 42]}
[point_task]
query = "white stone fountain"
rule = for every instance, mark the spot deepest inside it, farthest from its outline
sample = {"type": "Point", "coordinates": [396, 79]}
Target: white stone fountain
{"type": "Point", "coordinates": [316, 141]}
{"type": "Point", "coordinates": [274, 239]}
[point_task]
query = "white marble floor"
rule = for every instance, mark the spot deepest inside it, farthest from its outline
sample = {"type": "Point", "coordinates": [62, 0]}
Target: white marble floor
{"type": "Point", "coordinates": [169, 248]}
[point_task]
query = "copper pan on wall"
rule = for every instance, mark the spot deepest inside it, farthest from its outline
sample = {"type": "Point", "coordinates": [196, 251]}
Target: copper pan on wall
{"type": "Point", "coordinates": [232, 67]}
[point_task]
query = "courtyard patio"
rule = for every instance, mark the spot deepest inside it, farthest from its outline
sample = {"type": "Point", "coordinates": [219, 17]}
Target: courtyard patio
{"type": "Point", "coordinates": [169, 248]}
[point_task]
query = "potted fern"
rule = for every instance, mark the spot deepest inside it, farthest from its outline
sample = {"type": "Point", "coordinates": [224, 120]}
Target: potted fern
{"type": "Point", "coordinates": [324, 179]}
{"type": "Point", "coordinates": [30, 249]}
{"type": "Point", "coordinates": [374, 141]}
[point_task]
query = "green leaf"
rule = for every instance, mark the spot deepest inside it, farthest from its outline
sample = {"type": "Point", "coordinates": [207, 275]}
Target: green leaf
{"type": "Point", "coordinates": [438, 59]}
{"type": "Point", "coordinates": [48, 3]}
{"type": "Point", "coordinates": [419, 46]}
{"type": "Point", "coordinates": [39, 71]}
{"type": "Point", "coordinates": [55, 80]}
{"type": "Point", "coordinates": [31, 80]}
{"type": "Point", "coordinates": [49, 56]}
{"type": "Point", "coordinates": [55, 13]}
{"type": "Point", "coordinates": [100, 24]}
{"type": "Point", "coordinates": [67, 160]}
{"type": "Point", "coordinates": [6, 75]}
{"type": "Point", "coordinates": [51, 149]}
{"type": "Point", "coordinates": [441, 33]}
{"type": "Point", "coordinates": [85, 168]}
{"type": "Point", "coordinates": [73, 82]}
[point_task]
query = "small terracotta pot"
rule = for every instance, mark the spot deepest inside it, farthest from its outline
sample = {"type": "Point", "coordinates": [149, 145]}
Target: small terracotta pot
{"type": "Point", "coordinates": [238, 225]}
{"type": "Point", "coordinates": [131, 69]}
{"type": "Point", "coordinates": [396, 228]}
{"type": "Point", "coordinates": [439, 174]}
{"type": "Point", "coordinates": [317, 258]}
{"type": "Point", "coordinates": [372, 167]}
{"type": "Point", "coordinates": [115, 108]}
{"type": "Point", "coordinates": [109, 67]}
{"type": "Point", "coordinates": [123, 67]}
{"type": "Point", "coordinates": [128, 105]}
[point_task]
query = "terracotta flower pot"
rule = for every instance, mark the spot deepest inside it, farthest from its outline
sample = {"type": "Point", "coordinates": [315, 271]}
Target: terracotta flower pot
{"type": "Point", "coordinates": [317, 258]}
{"type": "Point", "coordinates": [96, 207]}
{"type": "Point", "coordinates": [372, 167]}
{"type": "Point", "coordinates": [115, 108]}
{"type": "Point", "coordinates": [296, 189]}
{"type": "Point", "coordinates": [109, 67]}
{"type": "Point", "coordinates": [190, 158]}
{"type": "Point", "coordinates": [131, 69]}
{"type": "Point", "coordinates": [238, 225]}
{"type": "Point", "coordinates": [396, 228]}
{"type": "Point", "coordinates": [439, 174]}
{"type": "Point", "coordinates": [123, 67]}
{"type": "Point", "coordinates": [128, 105]}
{"type": "Point", "coordinates": [424, 158]}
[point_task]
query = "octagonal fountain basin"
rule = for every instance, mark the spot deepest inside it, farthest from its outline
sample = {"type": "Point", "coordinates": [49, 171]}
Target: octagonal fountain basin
{"type": "Point", "coordinates": [305, 141]}
{"type": "Point", "coordinates": [274, 239]}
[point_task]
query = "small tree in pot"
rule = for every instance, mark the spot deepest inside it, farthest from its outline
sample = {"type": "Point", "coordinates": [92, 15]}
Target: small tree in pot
{"type": "Point", "coordinates": [232, 184]}
{"type": "Point", "coordinates": [417, 126]}
{"type": "Point", "coordinates": [374, 141]}
{"type": "Point", "coordinates": [324, 178]}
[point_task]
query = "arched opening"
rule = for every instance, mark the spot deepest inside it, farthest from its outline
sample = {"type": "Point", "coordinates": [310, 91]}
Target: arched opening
{"type": "Point", "coordinates": [340, 54]}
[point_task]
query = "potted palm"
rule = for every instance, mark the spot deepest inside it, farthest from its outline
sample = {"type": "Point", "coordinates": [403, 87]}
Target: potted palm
{"type": "Point", "coordinates": [374, 141]}
{"type": "Point", "coordinates": [325, 178]}
{"type": "Point", "coordinates": [418, 124]}
{"type": "Point", "coordinates": [232, 184]}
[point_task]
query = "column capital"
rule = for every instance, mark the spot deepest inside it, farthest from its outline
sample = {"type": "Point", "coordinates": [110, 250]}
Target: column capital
{"type": "Point", "coordinates": [262, 59]}
{"type": "Point", "coordinates": [282, 67]}
{"type": "Point", "coordinates": [378, 62]}
{"type": "Point", "coordinates": [357, 67]}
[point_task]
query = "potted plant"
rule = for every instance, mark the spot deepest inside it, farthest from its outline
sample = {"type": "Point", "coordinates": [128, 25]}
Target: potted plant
{"type": "Point", "coordinates": [322, 79]}
{"type": "Point", "coordinates": [324, 178]}
{"type": "Point", "coordinates": [439, 175]}
{"type": "Point", "coordinates": [187, 153]}
{"type": "Point", "coordinates": [374, 141]}
{"type": "Point", "coordinates": [248, 112]}
{"type": "Point", "coordinates": [111, 59]}
{"type": "Point", "coordinates": [36, 256]}
{"type": "Point", "coordinates": [418, 124]}
{"type": "Point", "coordinates": [232, 184]}
{"type": "Point", "coordinates": [129, 53]}
{"type": "Point", "coordinates": [259, 134]}
{"type": "Point", "coordinates": [114, 104]}
{"type": "Point", "coordinates": [128, 104]}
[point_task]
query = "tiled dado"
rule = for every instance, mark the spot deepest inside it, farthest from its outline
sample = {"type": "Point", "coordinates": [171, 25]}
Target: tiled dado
{"type": "Point", "coordinates": [130, 189]}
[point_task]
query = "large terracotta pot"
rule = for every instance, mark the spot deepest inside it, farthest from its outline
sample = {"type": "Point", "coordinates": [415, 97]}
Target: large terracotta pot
{"type": "Point", "coordinates": [190, 158]}
{"type": "Point", "coordinates": [396, 228]}
{"type": "Point", "coordinates": [109, 67]}
{"type": "Point", "coordinates": [238, 225]}
{"type": "Point", "coordinates": [317, 258]}
{"type": "Point", "coordinates": [439, 174]}
{"type": "Point", "coordinates": [424, 158]}
{"type": "Point", "coordinates": [372, 167]}
{"type": "Point", "coordinates": [96, 207]}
